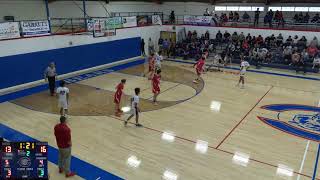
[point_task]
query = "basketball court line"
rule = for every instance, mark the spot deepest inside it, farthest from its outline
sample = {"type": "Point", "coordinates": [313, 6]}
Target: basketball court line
{"type": "Point", "coordinates": [256, 71]}
{"type": "Point", "coordinates": [211, 147]}
{"type": "Point", "coordinates": [79, 166]}
{"type": "Point", "coordinates": [303, 159]}
{"type": "Point", "coordinates": [316, 164]}
{"type": "Point", "coordinates": [243, 118]}
{"type": "Point", "coordinates": [215, 147]}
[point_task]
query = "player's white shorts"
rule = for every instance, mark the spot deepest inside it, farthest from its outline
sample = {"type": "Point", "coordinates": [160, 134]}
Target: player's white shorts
{"type": "Point", "coordinates": [63, 104]}
{"type": "Point", "coordinates": [242, 73]}
{"type": "Point", "coordinates": [134, 111]}
{"type": "Point", "coordinates": [158, 66]}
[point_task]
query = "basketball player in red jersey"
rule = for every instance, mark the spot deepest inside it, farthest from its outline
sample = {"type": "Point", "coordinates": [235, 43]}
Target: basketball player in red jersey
{"type": "Point", "coordinates": [156, 85]}
{"type": "Point", "coordinates": [151, 65]}
{"type": "Point", "coordinates": [117, 97]}
{"type": "Point", "coordinates": [199, 68]}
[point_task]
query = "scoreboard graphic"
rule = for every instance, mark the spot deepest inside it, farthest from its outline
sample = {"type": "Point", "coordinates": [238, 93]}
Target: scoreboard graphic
{"type": "Point", "coordinates": [24, 160]}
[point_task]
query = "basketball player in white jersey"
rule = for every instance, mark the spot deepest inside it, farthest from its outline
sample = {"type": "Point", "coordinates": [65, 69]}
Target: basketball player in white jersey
{"type": "Point", "coordinates": [135, 110]}
{"type": "Point", "coordinates": [159, 59]}
{"type": "Point", "coordinates": [244, 65]}
{"type": "Point", "coordinates": [63, 98]}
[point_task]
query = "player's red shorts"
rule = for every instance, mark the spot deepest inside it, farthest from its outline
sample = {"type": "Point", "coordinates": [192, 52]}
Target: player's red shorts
{"type": "Point", "coordinates": [117, 99]}
{"type": "Point", "coordinates": [156, 89]}
{"type": "Point", "coordinates": [151, 69]}
{"type": "Point", "coordinates": [199, 72]}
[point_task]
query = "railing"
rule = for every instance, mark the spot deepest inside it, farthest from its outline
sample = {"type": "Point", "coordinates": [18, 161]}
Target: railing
{"type": "Point", "coordinates": [287, 24]}
{"type": "Point", "coordinates": [77, 25]}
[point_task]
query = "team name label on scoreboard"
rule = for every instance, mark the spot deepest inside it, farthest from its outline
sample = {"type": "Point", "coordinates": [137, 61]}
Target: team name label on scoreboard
{"type": "Point", "coordinates": [24, 160]}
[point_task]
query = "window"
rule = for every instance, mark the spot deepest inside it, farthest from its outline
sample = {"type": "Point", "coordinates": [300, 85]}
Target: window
{"type": "Point", "coordinates": [220, 8]}
{"type": "Point", "coordinates": [274, 8]}
{"type": "Point", "coordinates": [232, 8]}
{"type": "Point", "coordinates": [245, 8]}
{"type": "Point", "coordinates": [314, 9]}
{"type": "Point", "coordinates": [301, 9]}
{"type": "Point", "coordinates": [287, 8]}
{"type": "Point", "coordinates": [255, 8]}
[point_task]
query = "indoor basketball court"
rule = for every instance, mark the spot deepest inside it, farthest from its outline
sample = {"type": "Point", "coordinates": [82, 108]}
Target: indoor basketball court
{"type": "Point", "coordinates": [201, 125]}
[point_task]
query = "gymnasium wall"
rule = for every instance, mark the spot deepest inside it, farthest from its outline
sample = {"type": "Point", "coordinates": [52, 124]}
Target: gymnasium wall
{"type": "Point", "coordinates": [24, 60]}
{"type": "Point", "coordinates": [35, 9]}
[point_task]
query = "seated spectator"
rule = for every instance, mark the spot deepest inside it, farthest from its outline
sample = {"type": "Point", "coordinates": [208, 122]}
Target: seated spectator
{"type": "Point", "coordinates": [316, 61]}
{"type": "Point", "coordinates": [245, 17]}
{"type": "Point", "coordinates": [312, 51]}
{"type": "Point", "coordinates": [241, 37]}
{"type": "Point", "coordinates": [314, 42]}
{"type": "Point", "coordinates": [316, 19]}
{"type": "Point", "coordinates": [302, 43]}
{"type": "Point", "coordinates": [226, 36]}
{"type": "Point", "coordinates": [289, 41]}
{"type": "Point", "coordinates": [306, 18]}
{"type": "Point", "coordinates": [194, 35]}
{"type": "Point", "coordinates": [305, 55]}
{"type": "Point", "coordinates": [230, 16]}
{"type": "Point", "coordinates": [296, 18]}
{"type": "Point", "coordinates": [279, 40]}
{"type": "Point", "coordinates": [298, 62]}
{"type": "Point", "coordinates": [248, 38]}
{"type": "Point", "coordinates": [245, 46]}
{"type": "Point", "coordinates": [235, 37]}
{"type": "Point", "coordinates": [207, 35]}
{"type": "Point", "coordinates": [259, 40]}
{"type": "Point", "coordinates": [287, 54]}
{"type": "Point", "coordinates": [295, 40]}
{"type": "Point", "coordinates": [300, 17]}
{"type": "Point", "coordinates": [268, 57]}
{"type": "Point", "coordinates": [236, 17]}
{"type": "Point", "coordinates": [219, 36]}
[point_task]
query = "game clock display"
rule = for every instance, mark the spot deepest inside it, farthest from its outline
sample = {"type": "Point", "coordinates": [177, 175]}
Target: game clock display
{"type": "Point", "coordinates": [24, 160]}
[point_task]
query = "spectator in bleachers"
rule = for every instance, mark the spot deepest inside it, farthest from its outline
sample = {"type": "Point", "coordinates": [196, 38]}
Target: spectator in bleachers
{"type": "Point", "coordinates": [287, 54]}
{"type": "Point", "coordinates": [279, 18]}
{"type": "Point", "coordinates": [314, 41]}
{"type": "Point", "coordinates": [298, 62]}
{"type": "Point", "coordinates": [300, 17]}
{"type": "Point", "coordinates": [236, 17]}
{"type": "Point", "coordinates": [249, 38]}
{"type": "Point", "coordinates": [296, 18]}
{"type": "Point", "coordinates": [241, 37]}
{"type": "Point", "coordinates": [226, 36]}
{"type": "Point", "coordinates": [268, 58]}
{"type": "Point", "coordinates": [245, 17]}
{"type": "Point", "coordinates": [289, 41]}
{"type": "Point", "coordinates": [235, 37]}
{"type": "Point", "coordinates": [316, 19]}
{"type": "Point", "coordinates": [316, 61]}
{"type": "Point", "coordinates": [306, 18]}
{"type": "Point", "coordinates": [279, 40]}
{"type": "Point", "coordinates": [219, 36]}
{"type": "Point", "coordinates": [256, 17]}
{"type": "Point", "coordinates": [295, 40]}
{"type": "Point", "coordinates": [312, 51]}
{"type": "Point", "coordinates": [302, 43]}
{"type": "Point", "coordinates": [230, 16]}
{"type": "Point", "coordinates": [207, 35]}
{"type": "Point", "coordinates": [172, 17]}
{"type": "Point", "coordinates": [269, 17]}
{"type": "Point", "coordinates": [259, 40]}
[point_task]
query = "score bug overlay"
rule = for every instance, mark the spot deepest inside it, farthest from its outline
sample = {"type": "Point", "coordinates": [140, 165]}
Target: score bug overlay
{"type": "Point", "coordinates": [24, 160]}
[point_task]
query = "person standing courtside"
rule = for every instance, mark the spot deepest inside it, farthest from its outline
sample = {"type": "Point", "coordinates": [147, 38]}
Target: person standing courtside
{"type": "Point", "coordinates": [63, 138]}
{"type": "Point", "coordinates": [50, 75]}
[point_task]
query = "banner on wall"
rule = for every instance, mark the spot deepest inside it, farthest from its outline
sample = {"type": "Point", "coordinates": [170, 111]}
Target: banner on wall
{"type": "Point", "coordinates": [9, 30]}
{"type": "Point", "coordinates": [129, 21]}
{"type": "Point", "coordinates": [35, 28]}
{"type": "Point", "coordinates": [95, 24]}
{"type": "Point", "coordinates": [113, 23]}
{"type": "Point", "coordinates": [142, 20]}
{"type": "Point", "coordinates": [156, 20]}
{"type": "Point", "coordinates": [197, 20]}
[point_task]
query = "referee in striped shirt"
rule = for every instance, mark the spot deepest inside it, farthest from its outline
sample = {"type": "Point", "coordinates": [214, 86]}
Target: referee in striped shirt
{"type": "Point", "coordinates": [50, 75]}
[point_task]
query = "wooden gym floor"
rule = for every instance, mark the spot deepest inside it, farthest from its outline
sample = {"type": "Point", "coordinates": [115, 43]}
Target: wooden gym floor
{"type": "Point", "coordinates": [214, 112]}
